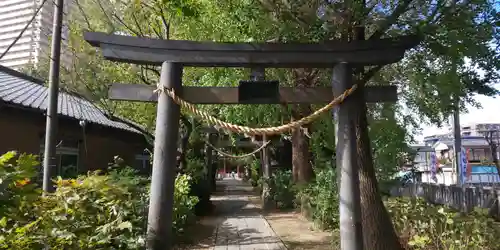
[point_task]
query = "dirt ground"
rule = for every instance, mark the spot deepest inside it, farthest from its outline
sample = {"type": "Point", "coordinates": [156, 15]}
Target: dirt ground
{"type": "Point", "coordinates": [200, 236]}
{"type": "Point", "coordinates": [297, 233]}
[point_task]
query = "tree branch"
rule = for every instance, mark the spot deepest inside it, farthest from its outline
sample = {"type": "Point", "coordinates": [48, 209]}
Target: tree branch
{"type": "Point", "coordinates": [155, 71]}
{"type": "Point", "coordinates": [130, 29]}
{"type": "Point", "coordinates": [85, 17]}
{"type": "Point", "coordinates": [391, 19]}
{"type": "Point", "coordinates": [367, 75]}
{"type": "Point", "coordinates": [370, 7]}
{"type": "Point", "coordinates": [143, 77]}
{"type": "Point", "coordinates": [112, 25]}
{"type": "Point", "coordinates": [155, 30]}
{"type": "Point", "coordinates": [134, 17]}
{"type": "Point", "coordinates": [439, 6]}
{"type": "Point", "coordinates": [437, 15]}
{"type": "Point", "coordinates": [166, 25]}
{"type": "Point", "coordinates": [149, 136]}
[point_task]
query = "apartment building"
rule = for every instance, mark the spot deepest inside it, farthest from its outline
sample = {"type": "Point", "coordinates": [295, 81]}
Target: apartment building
{"type": "Point", "coordinates": [469, 130]}
{"type": "Point", "coordinates": [34, 44]}
{"type": "Point", "coordinates": [482, 129]}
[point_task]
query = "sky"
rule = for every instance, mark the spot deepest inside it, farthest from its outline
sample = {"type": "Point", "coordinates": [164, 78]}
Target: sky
{"type": "Point", "coordinates": [489, 113]}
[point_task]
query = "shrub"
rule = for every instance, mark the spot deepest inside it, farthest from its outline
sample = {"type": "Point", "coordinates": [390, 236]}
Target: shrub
{"type": "Point", "coordinates": [199, 185]}
{"type": "Point", "coordinates": [90, 212]}
{"type": "Point", "coordinates": [254, 173]}
{"type": "Point", "coordinates": [282, 189]}
{"type": "Point", "coordinates": [184, 204]}
{"type": "Point", "coordinates": [16, 187]}
{"type": "Point", "coordinates": [425, 226]}
{"type": "Point", "coordinates": [321, 197]}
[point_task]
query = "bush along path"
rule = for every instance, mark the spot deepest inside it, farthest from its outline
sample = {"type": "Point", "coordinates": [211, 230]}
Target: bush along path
{"type": "Point", "coordinates": [93, 211]}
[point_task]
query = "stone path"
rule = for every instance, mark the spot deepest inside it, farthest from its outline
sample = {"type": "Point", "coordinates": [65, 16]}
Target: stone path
{"type": "Point", "coordinates": [241, 226]}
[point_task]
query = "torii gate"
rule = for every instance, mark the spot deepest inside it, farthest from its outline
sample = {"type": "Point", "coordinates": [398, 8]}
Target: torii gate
{"type": "Point", "coordinates": [173, 55]}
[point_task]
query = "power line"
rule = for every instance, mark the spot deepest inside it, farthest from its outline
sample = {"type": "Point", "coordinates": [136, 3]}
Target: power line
{"type": "Point", "coordinates": [23, 30]}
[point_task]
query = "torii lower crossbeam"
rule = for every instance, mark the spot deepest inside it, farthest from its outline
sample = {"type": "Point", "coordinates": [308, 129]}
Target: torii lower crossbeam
{"type": "Point", "coordinates": [229, 95]}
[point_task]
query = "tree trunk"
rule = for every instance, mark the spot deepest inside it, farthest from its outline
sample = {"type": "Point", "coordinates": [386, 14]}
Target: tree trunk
{"type": "Point", "coordinates": [209, 159]}
{"type": "Point", "coordinates": [494, 152]}
{"type": "Point", "coordinates": [215, 169]}
{"type": "Point", "coordinates": [489, 137]}
{"type": "Point", "coordinates": [261, 163]}
{"type": "Point", "coordinates": [284, 155]}
{"type": "Point", "coordinates": [378, 231]}
{"type": "Point", "coordinates": [302, 168]}
{"type": "Point", "coordinates": [295, 161]}
{"type": "Point", "coordinates": [181, 158]}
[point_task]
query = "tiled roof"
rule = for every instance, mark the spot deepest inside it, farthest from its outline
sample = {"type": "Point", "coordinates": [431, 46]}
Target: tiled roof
{"type": "Point", "coordinates": [467, 142]}
{"type": "Point", "coordinates": [422, 148]}
{"type": "Point", "coordinates": [20, 89]}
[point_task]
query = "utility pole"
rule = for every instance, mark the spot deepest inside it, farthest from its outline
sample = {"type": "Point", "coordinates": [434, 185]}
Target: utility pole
{"type": "Point", "coordinates": [49, 156]}
{"type": "Point", "coordinates": [457, 134]}
{"type": "Point", "coordinates": [458, 149]}
{"type": "Point", "coordinates": [457, 139]}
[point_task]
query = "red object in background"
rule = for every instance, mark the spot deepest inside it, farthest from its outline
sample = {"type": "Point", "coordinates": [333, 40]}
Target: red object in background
{"type": "Point", "coordinates": [469, 167]}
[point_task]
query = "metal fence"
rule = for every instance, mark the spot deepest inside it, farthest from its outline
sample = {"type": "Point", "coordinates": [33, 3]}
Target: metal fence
{"type": "Point", "coordinates": [463, 199]}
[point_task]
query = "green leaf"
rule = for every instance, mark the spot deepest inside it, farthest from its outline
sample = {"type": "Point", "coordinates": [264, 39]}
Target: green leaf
{"type": "Point", "coordinates": [125, 225]}
{"type": "Point", "coordinates": [449, 221]}
{"type": "Point", "coordinates": [441, 210]}
{"type": "Point", "coordinates": [3, 222]}
{"type": "Point", "coordinates": [7, 157]}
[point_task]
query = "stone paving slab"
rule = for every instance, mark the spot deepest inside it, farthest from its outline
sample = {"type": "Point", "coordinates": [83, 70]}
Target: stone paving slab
{"type": "Point", "coordinates": [243, 228]}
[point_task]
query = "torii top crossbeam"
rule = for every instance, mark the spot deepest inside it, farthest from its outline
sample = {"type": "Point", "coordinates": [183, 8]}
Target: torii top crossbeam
{"type": "Point", "coordinates": [275, 55]}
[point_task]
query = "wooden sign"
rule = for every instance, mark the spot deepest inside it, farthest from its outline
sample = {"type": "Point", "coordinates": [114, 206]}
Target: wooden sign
{"type": "Point", "coordinates": [255, 92]}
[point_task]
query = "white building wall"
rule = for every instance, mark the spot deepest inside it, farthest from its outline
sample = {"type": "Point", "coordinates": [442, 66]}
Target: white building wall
{"type": "Point", "coordinates": [477, 129]}
{"type": "Point", "coordinates": [35, 42]}
{"type": "Point", "coordinates": [447, 177]}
